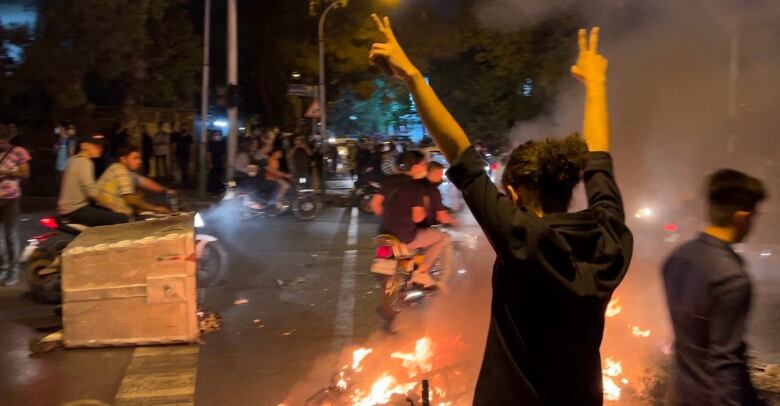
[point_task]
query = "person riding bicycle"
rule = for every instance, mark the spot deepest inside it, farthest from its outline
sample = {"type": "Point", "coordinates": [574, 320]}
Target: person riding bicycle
{"type": "Point", "coordinates": [117, 186]}
{"type": "Point", "coordinates": [79, 193]}
{"type": "Point", "coordinates": [400, 204]}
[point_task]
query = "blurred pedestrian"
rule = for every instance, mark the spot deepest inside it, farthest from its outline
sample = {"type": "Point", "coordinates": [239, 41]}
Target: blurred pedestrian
{"type": "Point", "coordinates": [147, 149]}
{"type": "Point", "coordinates": [162, 150]}
{"type": "Point", "coordinates": [709, 293]}
{"type": "Point", "coordinates": [14, 166]}
{"type": "Point", "coordinates": [300, 159]}
{"type": "Point", "coordinates": [390, 159]}
{"type": "Point", "coordinates": [64, 148]}
{"type": "Point", "coordinates": [217, 152]}
{"type": "Point", "coordinates": [182, 141]}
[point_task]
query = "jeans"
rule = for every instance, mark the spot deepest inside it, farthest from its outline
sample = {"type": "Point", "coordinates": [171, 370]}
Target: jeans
{"type": "Point", "coordinates": [10, 208]}
{"type": "Point", "coordinates": [93, 216]}
{"type": "Point", "coordinates": [434, 242]}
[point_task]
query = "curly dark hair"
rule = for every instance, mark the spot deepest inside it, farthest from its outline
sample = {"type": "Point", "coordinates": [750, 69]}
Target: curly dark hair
{"type": "Point", "coordinates": [551, 169]}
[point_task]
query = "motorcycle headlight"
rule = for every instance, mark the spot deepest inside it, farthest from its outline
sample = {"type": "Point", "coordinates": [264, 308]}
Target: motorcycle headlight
{"type": "Point", "coordinates": [199, 221]}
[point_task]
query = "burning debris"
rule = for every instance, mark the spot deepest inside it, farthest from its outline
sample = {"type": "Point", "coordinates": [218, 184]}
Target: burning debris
{"type": "Point", "coordinates": [399, 378]}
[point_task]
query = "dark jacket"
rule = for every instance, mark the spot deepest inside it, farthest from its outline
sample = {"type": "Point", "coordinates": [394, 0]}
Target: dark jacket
{"type": "Point", "coordinates": [552, 281]}
{"type": "Point", "coordinates": [708, 293]}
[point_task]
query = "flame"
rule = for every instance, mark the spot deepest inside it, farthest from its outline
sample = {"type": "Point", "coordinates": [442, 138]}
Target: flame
{"type": "Point", "coordinates": [358, 356]}
{"type": "Point", "coordinates": [342, 383]}
{"type": "Point", "coordinates": [637, 332]}
{"type": "Point", "coordinates": [612, 369]}
{"type": "Point", "coordinates": [382, 391]}
{"type": "Point", "coordinates": [420, 360]}
{"type": "Point", "coordinates": [611, 390]}
{"type": "Point", "coordinates": [613, 308]}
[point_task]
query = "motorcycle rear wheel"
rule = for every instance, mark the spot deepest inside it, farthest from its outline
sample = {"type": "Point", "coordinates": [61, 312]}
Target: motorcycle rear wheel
{"type": "Point", "coordinates": [307, 207]}
{"type": "Point", "coordinates": [390, 303]}
{"type": "Point", "coordinates": [44, 288]}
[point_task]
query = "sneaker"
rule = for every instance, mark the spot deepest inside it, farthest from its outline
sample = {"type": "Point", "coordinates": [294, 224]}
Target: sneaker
{"type": "Point", "coordinates": [424, 278]}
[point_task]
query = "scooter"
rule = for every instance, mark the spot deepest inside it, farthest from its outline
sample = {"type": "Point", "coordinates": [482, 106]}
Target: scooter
{"type": "Point", "coordinates": [304, 203]}
{"type": "Point", "coordinates": [42, 257]}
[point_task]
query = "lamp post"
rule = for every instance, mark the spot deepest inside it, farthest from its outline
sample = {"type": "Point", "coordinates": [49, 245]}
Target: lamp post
{"type": "Point", "coordinates": [321, 90]}
{"type": "Point", "coordinates": [204, 102]}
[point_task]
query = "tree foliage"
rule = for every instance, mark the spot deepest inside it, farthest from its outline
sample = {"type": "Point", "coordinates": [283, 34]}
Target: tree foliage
{"type": "Point", "coordinates": [86, 53]}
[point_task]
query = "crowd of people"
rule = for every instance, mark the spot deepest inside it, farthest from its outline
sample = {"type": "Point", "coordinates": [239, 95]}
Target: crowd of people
{"type": "Point", "coordinates": [573, 262]}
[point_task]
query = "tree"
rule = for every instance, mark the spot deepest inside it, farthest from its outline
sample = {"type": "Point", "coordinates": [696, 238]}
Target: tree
{"type": "Point", "coordinates": [379, 113]}
{"type": "Point", "coordinates": [87, 53]}
{"type": "Point", "coordinates": [489, 79]}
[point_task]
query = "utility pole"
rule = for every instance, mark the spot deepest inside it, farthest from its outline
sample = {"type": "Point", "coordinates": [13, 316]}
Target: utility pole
{"type": "Point", "coordinates": [232, 81]}
{"type": "Point", "coordinates": [323, 111]}
{"type": "Point", "coordinates": [204, 102]}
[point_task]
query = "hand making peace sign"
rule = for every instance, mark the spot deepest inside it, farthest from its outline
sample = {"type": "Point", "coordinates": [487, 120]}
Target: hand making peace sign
{"type": "Point", "coordinates": [591, 66]}
{"type": "Point", "coordinates": [389, 55]}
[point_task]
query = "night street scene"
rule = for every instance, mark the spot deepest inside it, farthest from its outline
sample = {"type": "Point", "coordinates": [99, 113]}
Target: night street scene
{"type": "Point", "coordinates": [389, 202]}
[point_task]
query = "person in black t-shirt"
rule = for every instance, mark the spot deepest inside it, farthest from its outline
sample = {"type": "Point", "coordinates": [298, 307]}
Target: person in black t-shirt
{"type": "Point", "coordinates": [401, 205]}
{"type": "Point", "coordinates": [216, 161]}
{"type": "Point", "coordinates": [555, 271]}
{"type": "Point", "coordinates": [182, 141]}
{"type": "Point", "coordinates": [435, 210]}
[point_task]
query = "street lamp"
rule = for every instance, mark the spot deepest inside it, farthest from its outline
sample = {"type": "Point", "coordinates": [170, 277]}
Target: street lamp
{"type": "Point", "coordinates": [323, 113]}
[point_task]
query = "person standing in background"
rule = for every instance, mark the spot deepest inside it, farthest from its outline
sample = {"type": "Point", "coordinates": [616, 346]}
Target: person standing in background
{"type": "Point", "coordinates": [300, 159]}
{"type": "Point", "coordinates": [216, 162]}
{"type": "Point", "coordinates": [708, 292]}
{"type": "Point", "coordinates": [182, 141]}
{"type": "Point", "coordinates": [147, 149]}
{"type": "Point", "coordinates": [162, 150]}
{"type": "Point", "coordinates": [64, 148]}
{"type": "Point", "coordinates": [14, 166]}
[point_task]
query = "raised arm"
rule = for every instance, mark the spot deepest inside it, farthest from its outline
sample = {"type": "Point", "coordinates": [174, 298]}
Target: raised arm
{"type": "Point", "coordinates": [444, 130]}
{"type": "Point", "coordinates": [591, 70]}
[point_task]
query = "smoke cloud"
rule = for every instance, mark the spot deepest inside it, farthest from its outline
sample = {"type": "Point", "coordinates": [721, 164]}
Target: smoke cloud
{"type": "Point", "coordinates": [692, 88]}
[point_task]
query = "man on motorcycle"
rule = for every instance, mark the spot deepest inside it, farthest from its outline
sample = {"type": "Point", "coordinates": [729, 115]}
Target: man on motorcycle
{"type": "Point", "coordinates": [268, 172]}
{"type": "Point", "coordinates": [117, 186]}
{"type": "Point", "coordinates": [79, 192]}
{"type": "Point", "coordinates": [401, 205]}
{"type": "Point", "coordinates": [436, 211]}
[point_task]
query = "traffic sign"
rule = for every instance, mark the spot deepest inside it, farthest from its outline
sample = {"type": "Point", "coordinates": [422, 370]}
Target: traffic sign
{"type": "Point", "coordinates": [301, 90]}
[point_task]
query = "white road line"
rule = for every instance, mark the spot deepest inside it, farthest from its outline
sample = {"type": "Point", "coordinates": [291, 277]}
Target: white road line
{"type": "Point", "coordinates": [345, 312]}
{"type": "Point", "coordinates": [352, 231]}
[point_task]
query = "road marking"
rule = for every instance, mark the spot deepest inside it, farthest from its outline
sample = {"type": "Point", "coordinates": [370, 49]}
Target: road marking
{"type": "Point", "coordinates": [352, 230]}
{"type": "Point", "coordinates": [161, 376]}
{"type": "Point", "coordinates": [344, 325]}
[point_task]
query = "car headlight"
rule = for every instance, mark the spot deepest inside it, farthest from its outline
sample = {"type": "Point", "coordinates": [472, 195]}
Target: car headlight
{"type": "Point", "coordinates": [199, 221]}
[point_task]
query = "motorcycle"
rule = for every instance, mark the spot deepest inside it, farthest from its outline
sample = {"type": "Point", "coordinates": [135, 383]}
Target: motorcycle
{"type": "Point", "coordinates": [304, 203]}
{"type": "Point", "coordinates": [42, 257]}
{"type": "Point", "coordinates": [395, 264]}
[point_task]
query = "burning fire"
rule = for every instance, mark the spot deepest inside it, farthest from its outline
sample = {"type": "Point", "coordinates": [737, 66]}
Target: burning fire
{"type": "Point", "coordinates": [638, 332]}
{"type": "Point", "coordinates": [613, 308]}
{"type": "Point", "coordinates": [382, 391]}
{"type": "Point", "coordinates": [612, 380]}
{"type": "Point", "coordinates": [358, 356]}
{"type": "Point", "coordinates": [612, 369]}
{"type": "Point", "coordinates": [395, 381]}
{"type": "Point", "coordinates": [419, 360]}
